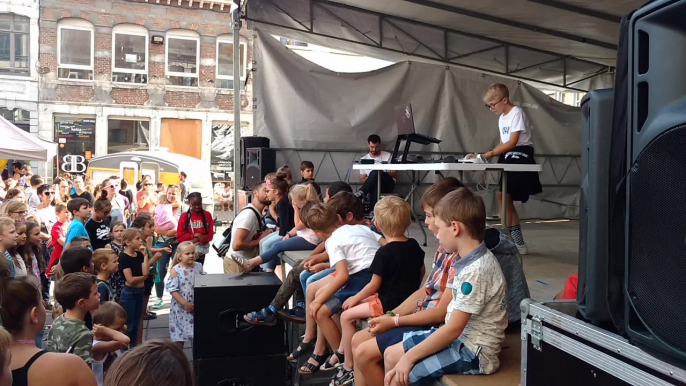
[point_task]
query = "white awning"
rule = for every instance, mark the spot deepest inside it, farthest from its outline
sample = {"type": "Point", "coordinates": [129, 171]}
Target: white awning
{"type": "Point", "coordinates": [16, 143]}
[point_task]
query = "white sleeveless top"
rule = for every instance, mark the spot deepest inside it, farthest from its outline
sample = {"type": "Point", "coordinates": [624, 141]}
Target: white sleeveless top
{"type": "Point", "coordinates": [99, 366]}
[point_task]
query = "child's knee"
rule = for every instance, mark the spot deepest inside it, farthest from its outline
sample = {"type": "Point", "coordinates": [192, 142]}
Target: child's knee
{"type": "Point", "coordinates": [323, 313]}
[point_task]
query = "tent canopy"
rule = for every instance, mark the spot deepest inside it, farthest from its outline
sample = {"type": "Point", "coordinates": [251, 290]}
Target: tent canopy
{"type": "Point", "coordinates": [18, 144]}
{"type": "Point", "coordinates": [569, 44]}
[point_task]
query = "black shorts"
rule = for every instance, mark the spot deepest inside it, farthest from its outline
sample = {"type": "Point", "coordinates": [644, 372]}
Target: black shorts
{"type": "Point", "coordinates": [395, 336]}
{"type": "Point", "coordinates": [148, 284]}
{"type": "Point", "coordinates": [520, 185]}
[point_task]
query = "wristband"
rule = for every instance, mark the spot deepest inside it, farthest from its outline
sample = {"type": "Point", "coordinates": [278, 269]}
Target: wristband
{"type": "Point", "coordinates": [397, 320]}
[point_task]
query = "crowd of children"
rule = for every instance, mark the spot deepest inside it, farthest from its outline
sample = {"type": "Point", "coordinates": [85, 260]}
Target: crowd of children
{"type": "Point", "coordinates": [103, 273]}
{"type": "Point", "coordinates": [106, 261]}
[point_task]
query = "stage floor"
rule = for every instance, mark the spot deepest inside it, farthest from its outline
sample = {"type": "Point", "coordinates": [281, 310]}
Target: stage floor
{"type": "Point", "coordinates": [553, 256]}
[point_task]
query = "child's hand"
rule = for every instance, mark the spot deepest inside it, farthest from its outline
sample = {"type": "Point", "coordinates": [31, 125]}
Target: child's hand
{"type": "Point", "coordinates": [167, 250]}
{"type": "Point", "coordinates": [157, 255]}
{"type": "Point", "coordinates": [96, 329]}
{"type": "Point", "coordinates": [381, 324]}
{"type": "Point", "coordinates": [317, 268]}
{"type": "Point", "coordinates": [350, 302]}
{"type": "Point", "coordinates": [189, 307]}
{"type": "Point", "coordinates": [201, 238]}
{"type": "Point", "coordinates": [314, 307]}
{"type": "Point", "coordinates": [142, 250]}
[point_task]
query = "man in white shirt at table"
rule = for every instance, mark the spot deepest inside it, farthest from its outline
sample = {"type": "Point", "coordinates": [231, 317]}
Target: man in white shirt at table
{"type": "Point", "coordinates": [369, 178]}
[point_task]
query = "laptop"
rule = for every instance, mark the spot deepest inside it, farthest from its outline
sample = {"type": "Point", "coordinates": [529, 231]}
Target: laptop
{"type": "Point", "coordinates": [404, 119]}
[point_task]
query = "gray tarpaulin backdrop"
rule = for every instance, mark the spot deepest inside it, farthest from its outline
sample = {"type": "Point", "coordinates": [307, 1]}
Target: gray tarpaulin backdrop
{"type": "Point", "coordinates": [304, 106]}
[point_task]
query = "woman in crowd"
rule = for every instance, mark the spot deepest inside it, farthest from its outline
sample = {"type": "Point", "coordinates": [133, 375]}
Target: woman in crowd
{"type": "Point", "coordinates": [16, 194]}
{"type": "Point", "coordinates": [23, 316]}
{"type": "Point", "coordinates": [16, 210]}
{"type": "Point", "coordinates": [172, 202]}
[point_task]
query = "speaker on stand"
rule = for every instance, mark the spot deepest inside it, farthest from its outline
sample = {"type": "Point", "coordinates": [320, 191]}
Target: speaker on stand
{"type": "Point", "coordinates": [654, 285]}
{"type": "Point", "coordinates": [248, 143]}
{"type": "Point", "coordinates": [260, 162]}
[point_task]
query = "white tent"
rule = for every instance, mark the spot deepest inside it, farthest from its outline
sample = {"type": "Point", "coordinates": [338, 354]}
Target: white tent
{"type": "Point", "coordinates": [16, 143]}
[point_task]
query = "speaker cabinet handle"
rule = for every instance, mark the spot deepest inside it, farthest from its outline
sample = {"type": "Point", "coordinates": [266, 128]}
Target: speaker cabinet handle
{"type": "Point", "coordinates": [230, 321]}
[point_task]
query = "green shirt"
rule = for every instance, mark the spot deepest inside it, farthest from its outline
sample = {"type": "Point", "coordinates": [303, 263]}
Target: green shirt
{"type": "Point", "coordinates": [71, 335]}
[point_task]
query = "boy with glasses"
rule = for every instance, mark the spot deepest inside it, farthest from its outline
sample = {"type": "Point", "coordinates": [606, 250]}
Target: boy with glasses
{"type": "Point", "coordinates": [515, 148]}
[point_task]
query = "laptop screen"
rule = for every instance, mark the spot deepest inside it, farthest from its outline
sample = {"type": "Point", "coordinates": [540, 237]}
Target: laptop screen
{"type": "Point", "coordinates": [404, 119]}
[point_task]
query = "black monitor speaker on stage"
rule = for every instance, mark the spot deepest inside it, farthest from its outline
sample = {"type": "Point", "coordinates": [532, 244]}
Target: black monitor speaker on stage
{"type": "Point", "coordinates": [249, 143]}
{"type": "Point", "coordinates": [655, 266]}
{"type": "Point", "coordinates": [596, 131]}
{"type": "Point", "coordinates": [220, 302]}
{"type": "Point", "coordinates": [260, 162]}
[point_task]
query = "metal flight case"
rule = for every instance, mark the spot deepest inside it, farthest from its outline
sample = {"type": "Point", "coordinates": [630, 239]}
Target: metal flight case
{"type": "Point", "coordinates": [560, 348]}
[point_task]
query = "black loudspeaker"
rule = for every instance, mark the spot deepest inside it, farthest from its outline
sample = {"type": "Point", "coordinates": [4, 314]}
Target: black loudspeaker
{"type": "Point", "coordinates": [249, 143]}
{"type": "Point", "coordinates": [260, 162]}
{"type": "Point", "coordinates": [596, 133]}
{"type": "Point", "coordinates": [220, 303]}
{"type": "Point", "coordinates": [271, 370]}
{"type": "Point", "coordinates": [655, 266]}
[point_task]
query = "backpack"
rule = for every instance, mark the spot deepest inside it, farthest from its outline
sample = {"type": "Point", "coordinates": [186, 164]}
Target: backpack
{"type": "Point", "coordinates": [222, 244]}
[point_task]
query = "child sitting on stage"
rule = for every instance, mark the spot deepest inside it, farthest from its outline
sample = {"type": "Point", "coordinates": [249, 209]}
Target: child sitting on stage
{"type": "Point", "coordinates": [474, 329]}
{"type": "Point", "coordinates": [398, 269]}
{"type": "Point", "coordinates": [351, 250]}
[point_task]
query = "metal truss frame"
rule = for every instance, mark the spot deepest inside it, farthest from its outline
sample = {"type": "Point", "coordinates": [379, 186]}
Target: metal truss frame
{"type": "Point", "coordinates": [447, 57]}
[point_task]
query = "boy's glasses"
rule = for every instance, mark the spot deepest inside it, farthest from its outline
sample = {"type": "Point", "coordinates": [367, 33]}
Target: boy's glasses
{"type": "Point", "coordinates": [492, 106]}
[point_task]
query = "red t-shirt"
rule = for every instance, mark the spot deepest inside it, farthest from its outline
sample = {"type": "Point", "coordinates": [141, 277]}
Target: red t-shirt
{"type": "Point", "coordinates": [186, 231]}
{"type": "Point", "coordinates": [57, 232]}
{"type": "Point", "coordinates": [150, 206]}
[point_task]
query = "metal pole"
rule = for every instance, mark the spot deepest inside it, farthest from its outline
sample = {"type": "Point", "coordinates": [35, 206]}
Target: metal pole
{"type": "Point", "coordinates": [236, 103]}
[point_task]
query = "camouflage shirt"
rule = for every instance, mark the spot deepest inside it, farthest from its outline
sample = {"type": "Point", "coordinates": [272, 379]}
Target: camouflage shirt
{"type": "Point", "coordinates": [71, 335]}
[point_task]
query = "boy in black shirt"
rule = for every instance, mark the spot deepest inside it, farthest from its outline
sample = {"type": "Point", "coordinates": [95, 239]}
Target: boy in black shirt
{"type": "Point", "coordinates": [398, 270]}
{"type": "Point", "coordinates": [307, 171]}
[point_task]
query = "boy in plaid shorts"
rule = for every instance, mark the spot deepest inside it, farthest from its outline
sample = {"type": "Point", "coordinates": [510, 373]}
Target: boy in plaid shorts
{"type": "Point", "coordinates": [477, 316]}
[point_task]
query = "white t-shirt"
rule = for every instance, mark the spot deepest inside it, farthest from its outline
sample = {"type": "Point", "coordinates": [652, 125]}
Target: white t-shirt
{"type": "Point", "coordinates": [480, 289]}
{"type": "Point", "coordinates": [32, 199]}
{"type": "Point", "coordinates": [384, 157]}
{"type": "Point", "coordinates": [309, 235]}
{"type": "Point", "coordinates": [246, 219]}
{"type": "Point", "coordinates": [47, 216]}
{"type": "Point", "coordinates": [99, 366]}
{"type": "Point", "coordinates": [513, 121]}
{"type": "Point", "coordinates": [356, 244]}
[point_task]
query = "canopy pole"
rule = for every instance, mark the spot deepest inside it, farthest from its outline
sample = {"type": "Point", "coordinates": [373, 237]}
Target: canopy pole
{"type": "Point", "coordinates": [236, 10]}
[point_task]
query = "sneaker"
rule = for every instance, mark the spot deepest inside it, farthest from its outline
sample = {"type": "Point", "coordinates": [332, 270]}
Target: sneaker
{"type": "Point", "coordinates": [523, 250]}
{"type": "Point", "coordinates": [297, 314]}
{"type": "Point", "coordinates": [150, 316]}
{"type": "Point", "coordinates": [158, 304]}
{"type": "Point", "coordinates": [260, 318]}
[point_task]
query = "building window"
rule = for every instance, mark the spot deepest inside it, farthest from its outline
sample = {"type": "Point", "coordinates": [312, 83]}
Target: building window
{"type": "Point", "coordinates": [75, 50]}
{"type": "Point", "coordinates": [20, 118]}
{"type": "Point", "coordinates": [183, 57]}
{"type": "Point", "coordinates": [225, 62]}
{"type": "Point", "coordinates": [125, 135]}
{"type": "Point", "coordinates": [130, 54]}
{"type": "Point", "coordinates": [14, 44]}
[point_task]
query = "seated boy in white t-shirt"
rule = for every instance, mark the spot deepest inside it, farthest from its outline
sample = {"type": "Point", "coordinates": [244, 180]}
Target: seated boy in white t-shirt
{"type": "Point", "coordinates": [474, 329]}
{"type": "Point", "coordinates": [351, 250]}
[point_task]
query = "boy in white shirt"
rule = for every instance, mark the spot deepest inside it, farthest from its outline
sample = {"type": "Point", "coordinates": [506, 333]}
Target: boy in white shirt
{"type": "Point", "coordinates": [474, 329]}
{"type": "Point", "coordinates": [515, 148]}
{"type": "Point", "coordinates": [351, 250]}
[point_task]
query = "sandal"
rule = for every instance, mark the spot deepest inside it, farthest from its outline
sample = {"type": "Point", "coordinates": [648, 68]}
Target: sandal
{"type": "Point", "coordinates": [343, 377]}
{"type": "Point", "coordinates": [311, 368]}
{"type": "Point", "coordinates": [242, 262]}
{"type": "Point", "coordinates": [327, 366]}
{"type": "Point", "coordinates": [302, 349]}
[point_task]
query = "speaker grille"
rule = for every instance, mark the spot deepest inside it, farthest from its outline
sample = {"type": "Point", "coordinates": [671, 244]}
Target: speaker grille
{"type": "Point", "coordinates": [657, 250]}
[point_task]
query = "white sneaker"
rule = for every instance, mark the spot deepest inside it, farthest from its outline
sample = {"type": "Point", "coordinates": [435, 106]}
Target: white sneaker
{"type": "Point", "coordinates": [523, 250]}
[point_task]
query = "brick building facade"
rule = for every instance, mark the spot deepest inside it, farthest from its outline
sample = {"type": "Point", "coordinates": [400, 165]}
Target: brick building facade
{"type": "Point", "coordinates": [121, 74]}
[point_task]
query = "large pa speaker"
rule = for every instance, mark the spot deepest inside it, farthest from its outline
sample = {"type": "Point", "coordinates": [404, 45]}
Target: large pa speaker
{"type": "Point", "coordinates": [267, 370]}
{"type": "Point", "coordinates": [249, 143]}
{"type": "Point", "coordinates": [220, 303]}
{"type": "Point", "coordinates": [654, 284]}
{"type": "Point", "coordinates": [596, 133]}
{"type": "Point", "coordinates": [260, 162]}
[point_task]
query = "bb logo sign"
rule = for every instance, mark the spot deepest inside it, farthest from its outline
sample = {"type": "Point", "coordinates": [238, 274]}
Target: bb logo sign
{"type": "Point", "coordinates": [73, 164]}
